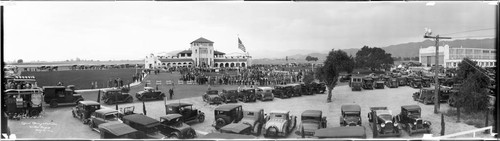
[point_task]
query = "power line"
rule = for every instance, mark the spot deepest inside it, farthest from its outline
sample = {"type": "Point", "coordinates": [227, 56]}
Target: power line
{"type": "Point", "coordinates": [481, 36]}
{"type": "Point", "coordinates": [468, 31]}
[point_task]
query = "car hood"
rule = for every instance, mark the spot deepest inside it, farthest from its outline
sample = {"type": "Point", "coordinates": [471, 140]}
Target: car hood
{"type": "Point", "coordinates": [141, 92]}
{"type": "Point", "coordinates": [183, 127]}
{"type": "Point", "coordinates": [351, 119]}
{"type": "Point", "coordinates": [213, 96]}
{"type": "Point", "coordinates": [278, 123]}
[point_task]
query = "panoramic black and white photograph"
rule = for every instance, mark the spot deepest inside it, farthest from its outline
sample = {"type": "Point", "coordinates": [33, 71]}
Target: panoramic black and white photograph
{"type": "Point", "coordinates": [249, 70]}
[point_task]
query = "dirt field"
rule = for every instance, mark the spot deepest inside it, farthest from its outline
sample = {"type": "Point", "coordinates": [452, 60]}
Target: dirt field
{"type": "Point", "coordinates": [58, 123]}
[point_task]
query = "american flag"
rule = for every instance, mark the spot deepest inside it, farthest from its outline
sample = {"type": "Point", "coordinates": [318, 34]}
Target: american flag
{"type": "Point", "coordinates": [241, 46]}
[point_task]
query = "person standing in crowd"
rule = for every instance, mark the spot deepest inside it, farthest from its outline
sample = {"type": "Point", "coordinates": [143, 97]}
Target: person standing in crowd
{"type": "Point", "coordinates": [171, 92]}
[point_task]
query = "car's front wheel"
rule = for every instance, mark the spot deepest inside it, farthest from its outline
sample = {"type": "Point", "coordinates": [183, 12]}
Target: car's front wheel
{"type": "Point", "coordinates": [201, 118]}
{"type": "Point", "coordinates": [174, 135]}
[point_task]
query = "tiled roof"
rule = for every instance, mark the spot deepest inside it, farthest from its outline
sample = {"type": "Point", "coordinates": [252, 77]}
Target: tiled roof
{"type": "Point", "coordinates": [176, 60]}
{"type": "Point", "coordinates": [185, 51]}
{"type": "Point", "coordinates": [201, 40]}
{"type": "Point", "coordinates": [218, 52]}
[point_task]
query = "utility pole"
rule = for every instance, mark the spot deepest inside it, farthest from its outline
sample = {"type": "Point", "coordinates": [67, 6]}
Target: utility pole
{"type": "Point", "coordinates": [436, 80]}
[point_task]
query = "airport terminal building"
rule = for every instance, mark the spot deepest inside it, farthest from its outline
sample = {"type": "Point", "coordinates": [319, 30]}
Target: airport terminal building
{"type": "Point", "coordinates": [449, 57]}
{"type": "Point", "coordinates": [200, 54]}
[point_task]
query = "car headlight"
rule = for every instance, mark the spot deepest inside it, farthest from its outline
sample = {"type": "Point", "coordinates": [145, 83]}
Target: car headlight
{"type": "Point", "coordinates": [382, 125]}
{"type": "Point", "coordinates": [415, 123]}
{"type": "Point", "coordinates": [395, 124]}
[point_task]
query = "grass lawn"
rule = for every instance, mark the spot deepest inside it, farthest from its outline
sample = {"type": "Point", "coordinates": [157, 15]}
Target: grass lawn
{"type": "Point", "coordinates": [81, 78]}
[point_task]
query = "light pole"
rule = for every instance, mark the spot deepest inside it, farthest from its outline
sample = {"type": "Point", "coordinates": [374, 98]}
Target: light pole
{"type": "Point", "coordinates": [436, 80]}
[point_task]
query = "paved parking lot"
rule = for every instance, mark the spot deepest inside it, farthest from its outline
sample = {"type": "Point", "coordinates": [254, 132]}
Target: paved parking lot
{"type": "Point", "coordinates": [58, 122]}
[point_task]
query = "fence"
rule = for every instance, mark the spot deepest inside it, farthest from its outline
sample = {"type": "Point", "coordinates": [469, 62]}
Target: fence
{"type": "Point", "coordinates": [489, 128]}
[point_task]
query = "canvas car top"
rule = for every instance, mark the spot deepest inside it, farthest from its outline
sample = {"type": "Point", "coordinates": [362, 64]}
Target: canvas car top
{"type": "Point", "coordinates": [279, 112]}
{"type": "Point", "coordinates": [411, 107]}
{"type": "Point", "coordinates": [384, 112]}
{"type": "Point", "coordinates": [178, 104]}
{"type": "Point", "coordinates": [226, 136]}
{"type": "Point", "coordinates": [378, 108]}
{"type": "Point", "coordinates": [311, 113]}
{"type": "Point", "coordinates": [142, 120]}
{"type": "Point", "coordinates": [235, 127]}
{"type": "Point", "coordinates": [228, 107]}
{"type": "Point", "coordinates": [116, 128]}
{"type": "Point", "coordinates": [341, 132]}
{"type": "Point", "coordinates": [88, 102]}
{"type": "Point", "coordinates": [350, 108]}
{"type": "Point", "coordinates": [106, 110]}
{"type": "Point", "coordinates": [265, 88]}
{"type": "Point", "coordinates": [171, 116]}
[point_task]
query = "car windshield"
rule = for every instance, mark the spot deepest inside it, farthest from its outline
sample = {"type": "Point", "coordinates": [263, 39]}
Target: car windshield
{"type": "Point", "coordinates": [221, 112]}
{"type": "Point", "coordinates": [385, 116]}
{"type": "Point", "coordinates": [212, 92]}
{"type": "Point", "coordinates": [278, 115]}
{"type": "Point", "coordinates": [111, 116]}
{"type": "Point", "coordinates": [93, 107]}
{"type": "Point", "coordinates": [310, 119]}
{"type": "Point", "coordinates": [414, 113]}
{"type": "Point", "coordinates": [349, 115]}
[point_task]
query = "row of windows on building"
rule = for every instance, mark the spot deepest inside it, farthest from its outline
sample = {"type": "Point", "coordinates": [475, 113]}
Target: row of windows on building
{"type": "Point", "coordinates": [471, 51]}
{"type": "Point", "coordinates": [203, 44]}
{"type": "Point", "coordinates": [472, 56]}
{"type": "Point", "coordinates": [480, 64]}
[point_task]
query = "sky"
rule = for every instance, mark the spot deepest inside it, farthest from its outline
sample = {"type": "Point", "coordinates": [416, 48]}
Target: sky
{"type": "Point", "coordinates": [57, 31]}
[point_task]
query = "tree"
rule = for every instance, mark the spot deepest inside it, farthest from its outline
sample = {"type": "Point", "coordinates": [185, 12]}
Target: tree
{"type": "Point", "coordinates": [472, 94]}
{"type": "Point", "coordinates": [310, 58]}
{"type": "Point", "coordinates": [20, 61]}
{"type": "Point", "coordinates": [336, 61]}
{"type": "Point", "coordinates": [373, 58]}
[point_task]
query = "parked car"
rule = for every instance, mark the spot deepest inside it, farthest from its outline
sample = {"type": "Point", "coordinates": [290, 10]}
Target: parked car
{"type": "Point", "coordinates": [402, 81]}
{"type": "Point", "coordinates": [112, 96]}
{"type": "Point", "coordinates": [306, 89]}
{"type": "Point", "coordinates": [426, 95]}
{"type": "Point", "coordinates": [229, 96]}
{"type": "Point", "coordinates": [54, 95]}
{"type": "Point", "coordinates": [351, 115]}
{"type": "Point", "coordinates": [321, 87]}
{"type": "Point", "coordinates": [173, 127]}
{"type": "Point", "coordinates": [379, 84]}
{"type": "Point", "coordinates": [367, 83]}
{"type": "Point", "coordinates": [265, 93]}
{"type": "Point", "coordinates": [416, 82]}
{"type": "Point", "coordinates": [345, 77]}
{"type": "Point", "coordinates": [453, 95]}
{"type": "Point", "coordinates": [247, 95]}
{"type": "Point", "coordinates": [311, 120]}
{"type": "Point", "coordinates": [279, 123]}
{"type": "Point", "coordinates": [392, 83]}
{"type": "Point", "coordinates": [426, 82]}
{"type": "Point", "coordinates": [212, 97]}
{"type": "Point", "coordinates": [295, 89]}
{"type": "Point", "coordinates": [84, 109]}
{"type": "Point", "coordinates": [347, 132]}
{"type": "Point", "coordinates": [149, 93]}
{"type": "Point", "coordinates": [356, 83]}
{"type": "Point", "coordinates": [101, 116]}
{"type": "Point", "coordinates": [384, 122]}
{"type": "Point", "coordinates": [237, 128]}
{"type": "Point", "coordinates": [147, 126]}
{"type": "Point", "coordinates": [23, 102]}
{"type": "Point", "coordinates": [282, 91]}
{"type": "Point", "coordinates": [227, 114]}
{"type": "Point", "coordinates": [118, 130]}
{"type": "Point", "coordinates": [255, 119]}
{"type": "Point", "coordinates": [410, 119]}
{"type": "Point", "coordinates": [186, 110]}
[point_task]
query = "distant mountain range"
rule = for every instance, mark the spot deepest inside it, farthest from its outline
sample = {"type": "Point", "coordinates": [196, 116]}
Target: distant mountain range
{"type": "Point", "coordinates": [408, 49]}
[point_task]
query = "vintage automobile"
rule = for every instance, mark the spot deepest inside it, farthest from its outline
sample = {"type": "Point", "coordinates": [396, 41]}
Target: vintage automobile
{"type": "Point", "coordinates": [212, 97]}
{"type": "Point", "coordinates": [227, 114]}
{"type": "Point", "coordinates": [384, 122]}
{"type": "Point", "coordinates": [410, 120]}
{"type": "Point", "coordinates": [20, 102]}
{"type": "Point", "coordinates": [345, 77]}
{"type": "Point", "coordinates": [228, 136]}
{"type": "Point", "coordinates": [103, 115]}
{"type": "Point", "coordinates": [279, 124]}
{"type": "Point", "coordinates": [147, 126]}
{"type": "Point", "coordinates": [367, 83]}
{"type": "Point", "coordinates": [426, 95]}
{"type": "Point", "coordinates": [402, 81]}
{"type": "Point", "coordinates": [453, 95]}
{"type": "Point", "coordinates": [265, 93]}
{"type": "Point", "coordinates": [149, 93]}
{"type": "Point", "coordinates": [321, 87]}
{"type": "Point", "coordinates": [295, 89]}
{"type": "Point", "coordinates": [282, 91]}
{"type": "Point", "coordinates": [306, 89]}
{"type": "Point", "coordinates": [237, 128]}
{"type": "Point", "coordinates": [347, 132]}
{"type": "Point", "coordinates": [255, 119]}
{"type": "Point", "coordinates": [186, 110]}
{"type": "Point", "coordinates": [54, 95]}
{"type": "Point", "coordinates": [229, 96]}
{"type": "Point", "coordinates": [392, 83]}
{"type": "Point", "coordinates": [112, 96]}
{"type": "Point", "coordinates": [356, 83]}
{"type": "Point", "coordinates": [426, 81]}
{"type": "Point", "coordinates": [173, 127]}
{"type": "Point", "coordinates": [247, 95]}
{"type": "Point", "coordinates": [379, 84]}
{"type": "Point", "coordinates": [311, 120]}
{"type": "Point", "coordinates": [351, 115]}
{"type": "Point", "coordinates": [416, 82]}
{"type": "Point", "coordinates": [84, 109]}
{"type": "Point", "coordinates": [114, 130]}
